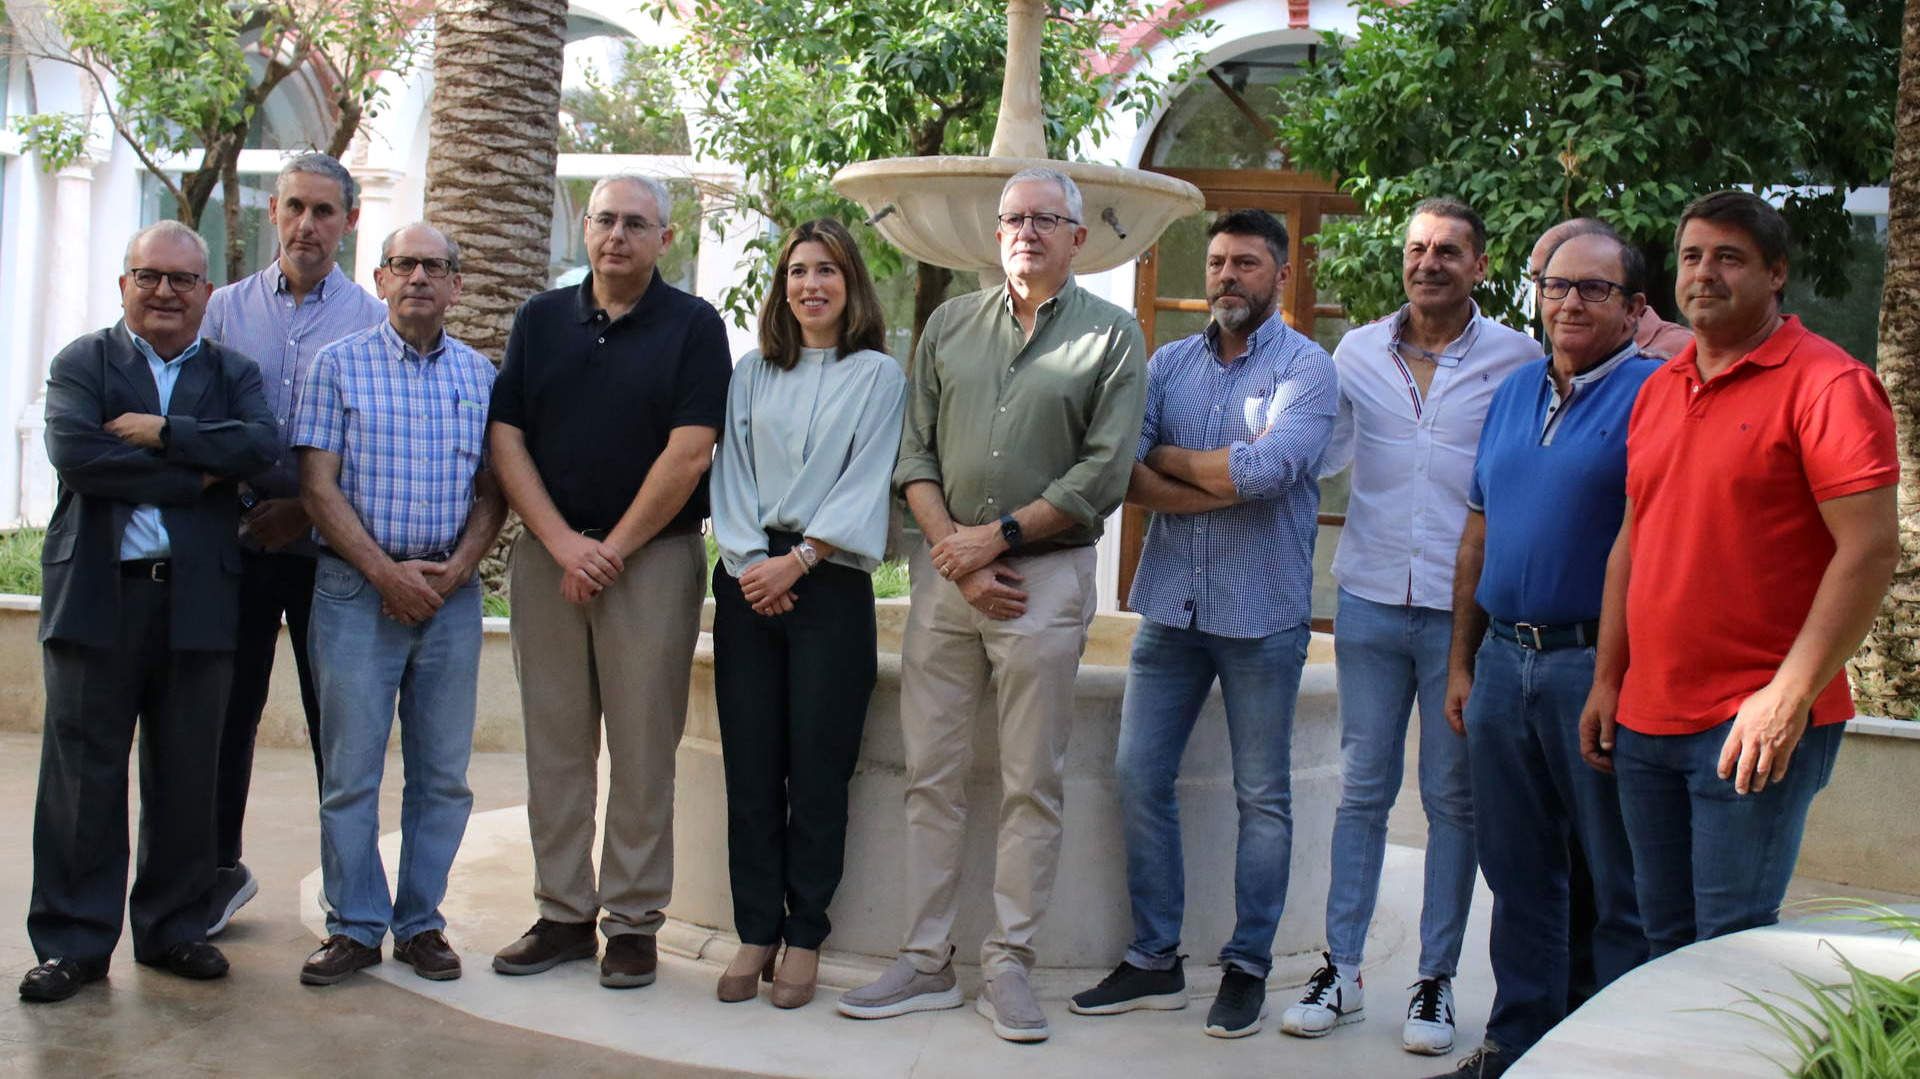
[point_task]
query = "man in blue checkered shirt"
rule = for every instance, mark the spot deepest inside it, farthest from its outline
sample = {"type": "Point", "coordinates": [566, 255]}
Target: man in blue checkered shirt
{"type": "Point", "coordinates": [393, 470]}
{"type": "Point", "coordinates": [1237, 418]}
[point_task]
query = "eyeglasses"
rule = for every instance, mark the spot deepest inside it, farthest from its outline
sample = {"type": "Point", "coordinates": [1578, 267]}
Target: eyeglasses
{"type": "Point", "coordinates": [1044, 224]}
{"type": "Point", "coordinates": [1591, 289]}
{"type": "Point", "coordinates": [147, 280]}
{"type": "Point", "coordinates": [604, 222]}
{"type": "Point", "coordinates": [403, 266]}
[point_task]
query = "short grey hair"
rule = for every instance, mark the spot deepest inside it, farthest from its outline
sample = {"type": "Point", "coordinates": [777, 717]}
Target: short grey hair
{"type": "Point", "coordinates": [173, 230]}
{"type": "Point", "coordinates": [662, 200]}
{"type": "Point", "coordinates": [1068, 189]}
{"type": "Point", "coordinates": [326, 167]}
{"type": "Point", "coordinates": [453, 249]}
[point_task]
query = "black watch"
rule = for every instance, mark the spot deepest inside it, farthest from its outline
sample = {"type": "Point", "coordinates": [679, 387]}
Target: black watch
{"type": "Point", "coordinates": [1010, 531]}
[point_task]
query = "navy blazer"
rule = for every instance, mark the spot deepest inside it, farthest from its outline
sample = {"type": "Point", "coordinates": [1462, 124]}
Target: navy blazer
{"type": "Point", "coordinates": [218, 422]}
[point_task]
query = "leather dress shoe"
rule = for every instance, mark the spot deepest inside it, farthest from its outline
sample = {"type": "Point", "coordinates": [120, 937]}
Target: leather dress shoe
{"type": "Point", "coordinates": [59, 978]}
{"type": "Point", "coordinates": [430, 956]}
{"type": "Point", "coordinates": [334, 960]}
{"type": "Point", "coordinates": [191, 959]}
{"type": "Point", "coordinates": [629, 961]}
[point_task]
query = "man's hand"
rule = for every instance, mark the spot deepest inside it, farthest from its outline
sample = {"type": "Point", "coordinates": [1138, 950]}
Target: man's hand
{"type": "Point", "coordinates": [276, 522]}
{"type": "Point", "coordinates": [140, 429]}
{"type": "Point", "coordinates": [768, 584]}
{"type": "Point", "coordinates": [1459, 687]}
{"type": "Point", "coordinates": [968, 549]}
{"type": "Point", "coordinates": [990, 589]}
{"type": "Point", "coordinates": [1596, 727]}
{"type": "Point", "coordinates": [1766, 730]}
{"type": "Point", "coordinates": [446, 578]}
{"type": "Point", "coordinates": [587, 565]}
{"type": "Point", "coordinates": [406, 595]}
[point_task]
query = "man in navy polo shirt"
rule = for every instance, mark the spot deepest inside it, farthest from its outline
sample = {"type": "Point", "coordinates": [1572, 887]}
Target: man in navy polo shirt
{"type": "Point", "coordinates": [1549, 489]}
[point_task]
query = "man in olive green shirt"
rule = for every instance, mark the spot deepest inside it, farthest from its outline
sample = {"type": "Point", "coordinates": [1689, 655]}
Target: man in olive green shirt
{"type": "Point", "coordinates": [1024, 408]}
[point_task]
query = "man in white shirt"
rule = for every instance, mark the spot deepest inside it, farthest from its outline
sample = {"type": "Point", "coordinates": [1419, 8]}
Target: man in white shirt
{"type": "Point", "coordinates": [1414, 389]}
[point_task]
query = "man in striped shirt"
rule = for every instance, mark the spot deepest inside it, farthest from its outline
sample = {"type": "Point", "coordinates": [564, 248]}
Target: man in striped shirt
{"type": "Point", "coordinates": [391, 433]}
{"type": "Point", "coordinates": [1237, 419]}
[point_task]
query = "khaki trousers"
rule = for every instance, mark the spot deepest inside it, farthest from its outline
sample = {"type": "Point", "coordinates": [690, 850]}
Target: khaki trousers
{"type": "Point", "coordinates": [627, 655]}
{"type": "Point", "coordinates": [951, 657]}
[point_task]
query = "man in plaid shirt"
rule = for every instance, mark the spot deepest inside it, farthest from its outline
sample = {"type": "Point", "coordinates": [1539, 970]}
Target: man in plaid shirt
{"type": "Point", "coordinates": [391, 434]}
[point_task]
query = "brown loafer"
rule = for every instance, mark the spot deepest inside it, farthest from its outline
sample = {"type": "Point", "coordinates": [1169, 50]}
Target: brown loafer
{"type": "Point", "coordinates": [734, 988]}
{"type": "Point", "coordinates": [545, 946]}
{"type": "Point", "coordinates": [630, 961]}
{"type": "Point", "coordinates": [340, 956]}
{"type": "Point", "coordinates": [430, 956]}
{"type": "Point", "coordinates": [799, 971]}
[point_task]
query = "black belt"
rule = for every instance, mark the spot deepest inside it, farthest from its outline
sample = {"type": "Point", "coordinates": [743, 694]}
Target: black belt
{"type": "Point", "coordinates": [148, 569]}
{"type": "Point", "coordinates": [436, 556]}
{"type": "Point", "coordinates": [1546, 638]}
{"type": "Point", "coordinates": [670, 530]}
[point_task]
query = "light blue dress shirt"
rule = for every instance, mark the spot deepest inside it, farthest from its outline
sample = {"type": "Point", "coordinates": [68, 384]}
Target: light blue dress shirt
{"type": "Point", "coordinates": [146, 534]}
{"type": "Point", "coordinates": [809, 450]}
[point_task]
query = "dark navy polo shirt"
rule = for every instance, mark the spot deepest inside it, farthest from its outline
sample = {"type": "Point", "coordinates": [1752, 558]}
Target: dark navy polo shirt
{"type": "Point", "coordinates": [597, 399]}
{"type": "Point", "coordinates": [1551, 476]}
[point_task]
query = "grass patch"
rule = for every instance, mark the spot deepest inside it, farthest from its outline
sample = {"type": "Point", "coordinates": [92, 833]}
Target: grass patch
{"type": "Point", "coordinates": [20, 561]}
{"type": "Point", "coordinates": [1866, 1026]}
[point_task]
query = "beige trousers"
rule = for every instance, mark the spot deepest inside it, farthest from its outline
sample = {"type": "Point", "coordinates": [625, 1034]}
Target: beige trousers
{"type": "Point", "coordinates": [952, 656]}
{"type": "Point", "coordinates": [627, 655]}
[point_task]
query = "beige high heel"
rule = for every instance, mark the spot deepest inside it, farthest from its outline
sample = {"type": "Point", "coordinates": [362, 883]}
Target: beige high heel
{"type": "Point", "coordinates": [795, 992]}
{"type": "Point", "coordinates": [734, 988]}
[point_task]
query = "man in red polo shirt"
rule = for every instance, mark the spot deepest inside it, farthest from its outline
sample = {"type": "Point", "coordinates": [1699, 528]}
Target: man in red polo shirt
{"type": "Point", "coordinates": [1759, 538]}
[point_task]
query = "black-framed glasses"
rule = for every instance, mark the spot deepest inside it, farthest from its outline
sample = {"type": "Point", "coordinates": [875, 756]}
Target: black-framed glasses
{"type": "Point", "coordinates": [147, 280]}
{"type": "Point", "coordinates": [604, 222]}
{"type": "Point", "coordinates": [1591, 289]}
{"type": "Point", "coordinates": [1044, 224]}
{"type": "Point", "coordinates": [404, 265]}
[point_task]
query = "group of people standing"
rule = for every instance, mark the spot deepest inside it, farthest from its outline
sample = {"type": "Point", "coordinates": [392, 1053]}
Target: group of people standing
{"type": "Point", "coordinates": [1626, 747]}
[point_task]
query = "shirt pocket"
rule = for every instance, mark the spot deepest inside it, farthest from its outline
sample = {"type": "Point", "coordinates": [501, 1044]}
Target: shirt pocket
{"type": "Point", "coordinates": [468, 429]}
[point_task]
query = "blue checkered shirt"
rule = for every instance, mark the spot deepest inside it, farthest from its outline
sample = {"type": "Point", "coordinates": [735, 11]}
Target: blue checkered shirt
{"type": "Point", "coordinates": [1246, 570]}
{"type": "Point", "coordinates": [410, 431]}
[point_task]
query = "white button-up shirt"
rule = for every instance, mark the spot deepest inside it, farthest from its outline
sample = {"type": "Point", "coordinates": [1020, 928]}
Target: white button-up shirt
{"type": "Point", "coordinates": [1412, 454]}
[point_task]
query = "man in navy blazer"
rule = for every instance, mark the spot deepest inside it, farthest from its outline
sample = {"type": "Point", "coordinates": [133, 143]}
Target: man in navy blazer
{"type": "Point", "coordinates": [148, 424]}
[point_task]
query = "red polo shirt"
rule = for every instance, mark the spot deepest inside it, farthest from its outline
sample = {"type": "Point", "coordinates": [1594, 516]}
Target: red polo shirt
{"type": "Point", "coordinates": [1726, 479]}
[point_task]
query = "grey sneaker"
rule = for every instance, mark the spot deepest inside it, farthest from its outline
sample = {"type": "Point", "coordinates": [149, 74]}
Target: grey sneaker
{"type": "Point", "coordinates": [233, 887]}
{"type": "Point", "coordinates": [902, 990]}
{"type": "Point", "coordinates": [1008, 1002]}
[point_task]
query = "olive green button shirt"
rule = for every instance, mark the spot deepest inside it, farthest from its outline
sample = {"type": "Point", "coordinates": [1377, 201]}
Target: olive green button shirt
{"type": "Point", "coordinates": [998, 420]}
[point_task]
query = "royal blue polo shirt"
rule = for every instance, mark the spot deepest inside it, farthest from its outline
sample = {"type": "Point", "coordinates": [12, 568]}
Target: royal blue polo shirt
{"type": "Point", "coordinates": [1551, 477]}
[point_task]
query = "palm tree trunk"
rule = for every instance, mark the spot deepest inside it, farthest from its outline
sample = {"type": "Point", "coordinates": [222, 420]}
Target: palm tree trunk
{"type": "Point", "coordinates": [492, 151]}
{"type": "Point", "coordinates": [1886, 673]}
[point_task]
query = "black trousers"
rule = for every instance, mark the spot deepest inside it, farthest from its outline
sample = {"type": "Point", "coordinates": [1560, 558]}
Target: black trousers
{"type": "Point", "coordinates": [792, 692]}
{"type": "Point", "coordinates": [95, 696]}
{"type": "Point", "coordinates": [270, 584]}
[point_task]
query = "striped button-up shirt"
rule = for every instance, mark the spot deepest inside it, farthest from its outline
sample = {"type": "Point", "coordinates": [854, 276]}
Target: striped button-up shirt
{"type": "Point", "coordinates": [257, 317]}
{"type": "Point", "coordinates": [1246, 570]}
{"type": "Point", "coordinates": [409, 429]}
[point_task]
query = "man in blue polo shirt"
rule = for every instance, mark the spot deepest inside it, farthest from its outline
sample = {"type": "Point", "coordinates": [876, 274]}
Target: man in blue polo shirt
{"type": "Point", "coordinates": [1549, 489]}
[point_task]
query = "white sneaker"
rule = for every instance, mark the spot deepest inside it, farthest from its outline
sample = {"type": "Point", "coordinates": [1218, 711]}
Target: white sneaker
{"type": "Point", "coordinates": [1333, 998]}
{"type": "Point", "coordinates": [1429, 1029]}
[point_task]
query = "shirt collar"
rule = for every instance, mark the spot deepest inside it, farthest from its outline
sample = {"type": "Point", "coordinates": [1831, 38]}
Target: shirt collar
{"type": "Point", "coordinates": [1274, 325]}
{"type": "Point", "coordinates": [585, 309]}
{"type": "Point", "coordinates": [147, 350]}
{"type": "Point", "coordinates": [282, 286]}
{"type": "Point", "coordinates": [1453, 353]}
{"type": "Point", "coordinates": [1599, 370]}
{"type": "Point", "coordinates": [407, 351]}
{"type": "Point", "coordinates": [1772, 352]}
{"type": "Point", "coordinates": [1046, 306]}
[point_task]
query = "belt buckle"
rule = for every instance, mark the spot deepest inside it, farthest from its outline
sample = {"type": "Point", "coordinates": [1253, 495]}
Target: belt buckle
{"type": "Point", "coordinates": [1520, 629]}
{"type": "Point", "coordinates": [594, 533]}
{"type": "Point", "coordinates": [158, 570]}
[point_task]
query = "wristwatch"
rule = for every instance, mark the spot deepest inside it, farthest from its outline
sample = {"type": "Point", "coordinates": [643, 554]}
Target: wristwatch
{"type": "Point", "coordinates": [1010, 531]}
{"type": "Point", "coordinates": [808, 557]}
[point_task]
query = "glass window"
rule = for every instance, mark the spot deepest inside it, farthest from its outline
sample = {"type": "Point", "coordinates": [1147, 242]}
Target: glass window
{"type": "Point", "coordinates": [259, 242]}
{"type": "Point", "coordinates": [1208, 127]}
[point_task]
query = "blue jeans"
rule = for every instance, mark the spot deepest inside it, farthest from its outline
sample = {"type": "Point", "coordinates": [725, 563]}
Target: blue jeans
{"type": "Point", "coordinates": [1384, 658]}
{"type": "Point", "coordinates": [1708, 861]}
{"type": "Point", "coordinates": [1168, 679]}
{"type": "Point", "coordinates": [362, 661]}
{"type": "Point", "coordinates": [1531, 790]}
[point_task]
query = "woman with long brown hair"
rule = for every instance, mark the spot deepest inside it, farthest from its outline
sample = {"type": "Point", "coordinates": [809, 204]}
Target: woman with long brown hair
{"type": "Point", "coordinates": [800, 498]}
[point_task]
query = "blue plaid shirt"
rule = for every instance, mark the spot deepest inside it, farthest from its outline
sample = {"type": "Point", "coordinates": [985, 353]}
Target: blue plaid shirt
{"type": "Point", "coordinates": [410, 431]}
{"type": "Point", "coordinates": [1246, 570]}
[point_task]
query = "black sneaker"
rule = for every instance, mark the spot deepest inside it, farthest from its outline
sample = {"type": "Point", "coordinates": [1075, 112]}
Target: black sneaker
{"type": "Point", "coordinates": [1486, 1062]}
{"type": "Point", "coordinates": [1239, 1007]}
{"type": "Point", "coordinates": [1129, 988]}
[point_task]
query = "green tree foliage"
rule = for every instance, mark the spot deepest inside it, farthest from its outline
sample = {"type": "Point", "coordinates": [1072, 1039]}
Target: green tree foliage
{"type": "Point", "coordinates": [1618, 109]}
{"type": "Point", "coordinates": [794, 91]}
{"type": "Point", "coordinates": [631, 112]}
{"type": "Point", "coordinates": [185, 77]}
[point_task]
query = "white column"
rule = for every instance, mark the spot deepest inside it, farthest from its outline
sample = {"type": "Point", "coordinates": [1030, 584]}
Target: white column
{"type": "Point", "coordinates": [70, 271]}
{"type": "Point", "coordinates": [380, 214]}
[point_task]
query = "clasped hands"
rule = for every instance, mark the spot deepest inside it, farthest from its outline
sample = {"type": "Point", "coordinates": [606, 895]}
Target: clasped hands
{"type": "Point", "coordinates": [413, 591]}
{"type": "Point", "coordinates": [768, 584]}
{"type": "Point", "coordinates": [967, 558]}
{"type": "Point", "coordinates": [587, 566]}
